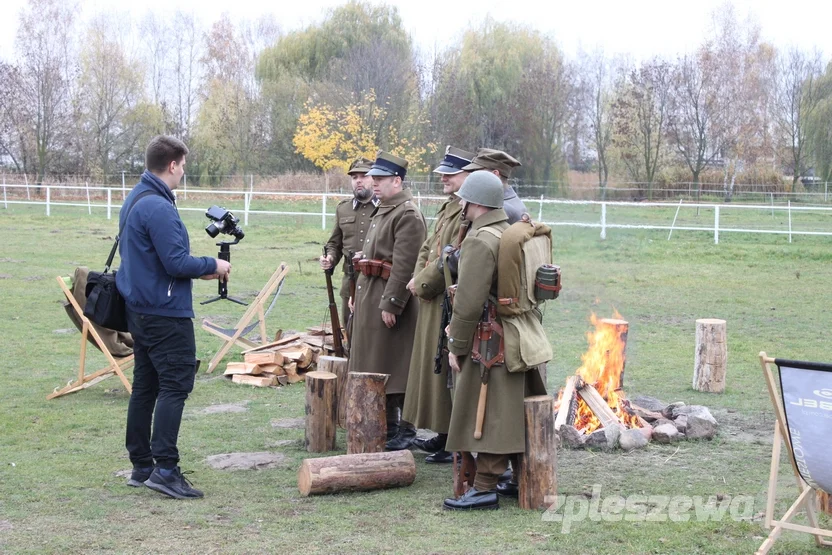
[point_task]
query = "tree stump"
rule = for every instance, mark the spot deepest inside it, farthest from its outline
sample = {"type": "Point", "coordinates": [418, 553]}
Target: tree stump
{"type": "Point", "coordinates": [618, 328]}
{"type": "Point", "coordinates": [320, 411]}
{"type": "Point", "coordinates": [359, 472]}
{"type": "Point", "coordinates": [337, 366]}
{"type": "Point", "coordinates": [366, 413]}
{"type": "Point", "coordinates": [711, 357]}
{"type": "Point", "coordinates": [537, 476]}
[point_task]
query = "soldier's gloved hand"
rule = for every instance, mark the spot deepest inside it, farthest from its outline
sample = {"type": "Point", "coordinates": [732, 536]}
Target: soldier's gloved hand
{"type": "Point", "coordinates": [453, 263]}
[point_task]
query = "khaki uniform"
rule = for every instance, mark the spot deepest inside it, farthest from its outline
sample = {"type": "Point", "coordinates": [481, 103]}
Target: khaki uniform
{"type": "Point", "coordinates": [504, 427]}
{"type": "Point", "coordinates": [396, 233]}
{"type": "Point", "coordinates": [352, 222]}
{"type": "Point", "coordinates": [427, 403]}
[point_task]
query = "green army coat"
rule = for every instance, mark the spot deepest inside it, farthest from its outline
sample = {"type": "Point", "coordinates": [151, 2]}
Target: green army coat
{"type": "Point", "coordinates": [427, 403]}
{"type": "Point", "coordinates": [504, 428]}
{"type": "Point", "coordinates": [352, 222]}
{"type": "Point", "coordinates": [396, 234]}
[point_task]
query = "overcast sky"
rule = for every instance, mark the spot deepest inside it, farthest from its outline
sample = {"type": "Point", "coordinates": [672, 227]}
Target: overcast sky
{"type": "Point", "coordinates": [642, 28]}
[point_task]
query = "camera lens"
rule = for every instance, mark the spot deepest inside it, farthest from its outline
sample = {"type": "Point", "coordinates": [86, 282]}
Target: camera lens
{"type": "Point", "coordinates": [212, 230]}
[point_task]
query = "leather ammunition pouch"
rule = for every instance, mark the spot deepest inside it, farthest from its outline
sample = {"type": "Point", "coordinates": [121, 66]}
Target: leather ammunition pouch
{"type": "Point", "coordinates": [371, 267]}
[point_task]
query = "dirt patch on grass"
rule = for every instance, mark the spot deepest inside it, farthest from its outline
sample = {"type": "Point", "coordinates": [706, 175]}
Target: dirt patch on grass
{"type": "Point", "coordinates": [744, 428]}
{"type": "Point", "coordinates": [239, 406]}
{"type": "Point", "coordinates": [33, 278]}
{"type": "Point", "coordinates": [5, 525]}
{"type": "Point", "coordinates": [289, 423]}
{"type": "Point", "coordinates": [245, 461]}
{"type": "Point", "coordinates": [5, 276]}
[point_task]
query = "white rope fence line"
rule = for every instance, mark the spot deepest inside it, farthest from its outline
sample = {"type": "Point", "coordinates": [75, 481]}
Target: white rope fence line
{"type": "Point", "coordinates": [603, 224]}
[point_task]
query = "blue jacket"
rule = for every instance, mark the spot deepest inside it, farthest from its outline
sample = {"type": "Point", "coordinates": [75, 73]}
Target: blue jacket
{"type": "Point", "coordinates": [156, 271]}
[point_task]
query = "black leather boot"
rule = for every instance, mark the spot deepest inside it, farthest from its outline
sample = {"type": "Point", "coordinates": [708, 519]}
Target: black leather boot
{"type": "Point", "coordinates": [402, 440]}
{"type": "Point", "coordinates": [473, 500]}
{"type": "Point", "coordinates": [507, 489]}
{"type": "Point", "coordinates": [440, 457]}
{"type": "Point", "coordinates": [432, 445]}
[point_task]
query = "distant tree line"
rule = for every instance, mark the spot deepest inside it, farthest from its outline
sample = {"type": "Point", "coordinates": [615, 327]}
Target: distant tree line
{"type": "Point", "coordinates": [248, 98]}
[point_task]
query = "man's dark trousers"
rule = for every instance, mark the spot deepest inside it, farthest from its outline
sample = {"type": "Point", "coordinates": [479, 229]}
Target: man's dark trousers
{"type": "Point", "coordinates": [163, 376]}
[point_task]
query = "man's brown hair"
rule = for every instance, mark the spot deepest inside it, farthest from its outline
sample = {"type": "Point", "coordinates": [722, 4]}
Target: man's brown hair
{"type": "Point", "coordinates": [163, 150]}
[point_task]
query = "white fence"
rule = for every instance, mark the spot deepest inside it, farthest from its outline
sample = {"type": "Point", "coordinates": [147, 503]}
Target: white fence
{"type": "Point", "coordinates": [88, 197]}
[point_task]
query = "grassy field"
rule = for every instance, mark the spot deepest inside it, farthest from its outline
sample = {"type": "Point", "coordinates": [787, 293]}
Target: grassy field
{"type": "Point", "coordinates": [58, 459]}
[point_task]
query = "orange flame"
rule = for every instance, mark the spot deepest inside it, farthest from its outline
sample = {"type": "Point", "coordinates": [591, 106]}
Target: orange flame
{"type": "Point", "coordinates": [602, 366]}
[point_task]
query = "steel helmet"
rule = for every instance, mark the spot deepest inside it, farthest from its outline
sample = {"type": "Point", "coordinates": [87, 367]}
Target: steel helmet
{"type": "Point", "coordinates": [483, 188]}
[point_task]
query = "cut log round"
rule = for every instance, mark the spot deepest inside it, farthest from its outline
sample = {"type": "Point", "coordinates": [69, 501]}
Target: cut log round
{"type": "Point", "coordinates": [337, 366]}
{"type": "Point", "coordinates": [711, 357]}
{"type": "Point", "coordinates": [366, 412]}
{"type": "Point", "coordinates": [320, 411]}
{"type": "Point", "coordinates": [537, 476]}
{"type": "Point", "coordinates": [358, 472]}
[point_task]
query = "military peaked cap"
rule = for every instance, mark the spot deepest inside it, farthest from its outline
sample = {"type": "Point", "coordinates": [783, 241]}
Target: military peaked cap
{"type": "Point", "coordinates": [362, 165]}
{"type": "Point", "coordinates": [453, 162]}
{"type": "Point", "coordinates": [491, 159]}
{"type": "Point", "coordinates": [387, 164]}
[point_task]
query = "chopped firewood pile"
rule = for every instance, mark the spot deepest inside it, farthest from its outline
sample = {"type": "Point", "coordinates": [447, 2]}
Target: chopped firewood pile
{"type": "Point", "coordinates": [284, 361]}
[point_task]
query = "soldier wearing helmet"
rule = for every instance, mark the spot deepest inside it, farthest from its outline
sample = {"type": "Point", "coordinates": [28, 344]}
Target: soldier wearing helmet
{"type": "Point", "coordinates": [503, 427]}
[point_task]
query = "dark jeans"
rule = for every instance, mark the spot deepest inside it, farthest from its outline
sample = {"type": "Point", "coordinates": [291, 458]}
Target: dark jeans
{"type": "Point", "coordinates": [163, 376]}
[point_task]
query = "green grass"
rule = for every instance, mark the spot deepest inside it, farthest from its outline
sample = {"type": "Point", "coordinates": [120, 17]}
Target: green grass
{"type": "Point", "coordinates": [58, 491]}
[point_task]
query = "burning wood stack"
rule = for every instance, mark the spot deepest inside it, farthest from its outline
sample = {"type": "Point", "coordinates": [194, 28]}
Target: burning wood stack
{"type": "Point", "coordinates": [283, 361]}
{"type": "Point", "coordinates": [592, 411]}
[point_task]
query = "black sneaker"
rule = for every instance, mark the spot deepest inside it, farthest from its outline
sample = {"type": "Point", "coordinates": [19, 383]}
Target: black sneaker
{"type": "Point", "coordinates": [139, 475]}
{"type": "Point", "coordinates": [175, 485]}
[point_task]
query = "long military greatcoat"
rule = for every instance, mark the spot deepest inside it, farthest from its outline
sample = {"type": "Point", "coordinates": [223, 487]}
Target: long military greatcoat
{"type": "Point", "coordinates": [352, 222]}
{"type": "Point", "coordinates": [427, 403]}
{"type": "Point", "coordinates": [504, 430]}
{"type": "Point", "coordinates": [396, 234]}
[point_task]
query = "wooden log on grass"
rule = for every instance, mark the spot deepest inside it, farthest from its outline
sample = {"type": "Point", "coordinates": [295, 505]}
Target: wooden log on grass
{"type": "Point", "coordinates": [357, 472]}
{"type": "Point", "coordinates": [321, 411]}
{"type": "Point", "coordinates": [339, 367]}
{"type": "Point", "coordinates": [256, 381]}
{"type": "Point", "coordinates": [537, 475]}
{"type": "Point", "coordinates": [710, 359]}
{"type": "Point", "coordinates": [235, 368]}
{"type": "Point", "coordinates": [568, 404]}
{"type": "Point", "coordinates": [366, 412]}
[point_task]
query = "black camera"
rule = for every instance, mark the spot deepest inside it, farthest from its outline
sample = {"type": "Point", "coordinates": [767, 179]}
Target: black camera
{"type": "Point", "coordinates": [223, 221]}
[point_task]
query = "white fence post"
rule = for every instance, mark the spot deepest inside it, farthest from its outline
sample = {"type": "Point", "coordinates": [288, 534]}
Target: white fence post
{"type": "Point", "coordinates": [109, 204]}
{"type": "Point", "coordinates": [48, 195]}
{"type": "Point", "coordinates": [185, 185]}
{"type": "Point", "coordinates": [5, 200]}
{"type": "Point", "coordinates": [674, 220]}
{"type": "Point", "coordinates": [89, 204]}
{"type": "Point", "coordinates": [716, 225]}
{"type": "Point", "coordinates": [323, 211]}
{"type": "Point", "coordinates": [603, 221]}
{"type": "Point", "coordinates": [419, 199]}
{"type": "Point", "coordinates": [826, 191]}
{"type": "Point", "coordinates": [123, 187]}
{"type": "Point", "coordinates": [246, 203]}
{"type": "Point", "coordinates": [26, 177]}
{"type": "Point", "coordinates": [790, 220]}
{"type": "Point", "coordinates": [540, 210]}
{"type": "Point", "coordinates": [772, 204]}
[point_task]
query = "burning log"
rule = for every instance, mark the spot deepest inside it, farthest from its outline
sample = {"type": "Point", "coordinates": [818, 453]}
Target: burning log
{"type": "Point", "coordinates": [538, 482]}
{"type": "Point", "coordinates": [337, 366]}
{"type": "Point", "coordinates": [358, 472]}
{"type": "Point", "coordinates": [711, 356]}
{"type": "Point", "coordinates": [599, 406]}
{"type": "Point", "coordinates": [619, 329]}
{"type": "Point", "coordinates": [568, 404]}
{"type": "Point", "coordinates": [366, 412]}
{"type": "Point", "coordinates": [320, 411]}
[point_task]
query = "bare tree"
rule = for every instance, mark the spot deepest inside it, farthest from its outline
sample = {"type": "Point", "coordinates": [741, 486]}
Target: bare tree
{"type": "Point", "coordinates": [44, 43]}
{"type": "Point", "coordinates": [640, 119]}
{"type": "Point", "coordinates": [697, 108]}
{"type": "Point", "coordinates": [799, 92]}
{"type": "Point", "coordinates": [597, 74]}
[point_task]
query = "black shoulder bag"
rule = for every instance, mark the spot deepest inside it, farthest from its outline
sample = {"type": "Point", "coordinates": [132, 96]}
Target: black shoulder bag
{"type": "Point", "coordinates": [105, 305]}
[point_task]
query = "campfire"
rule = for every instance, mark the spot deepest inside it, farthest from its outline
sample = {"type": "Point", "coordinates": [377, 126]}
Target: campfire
{"type": "Point", "coordinates": [592, 410]}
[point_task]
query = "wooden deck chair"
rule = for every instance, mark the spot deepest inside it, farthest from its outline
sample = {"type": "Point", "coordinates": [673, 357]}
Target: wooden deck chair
{"type": "Point", "coordinates": [115, 366]}
{"type": "Point", "coordinates": [802, 408]}
{"type": "Point", "coordinates": [235, 335]}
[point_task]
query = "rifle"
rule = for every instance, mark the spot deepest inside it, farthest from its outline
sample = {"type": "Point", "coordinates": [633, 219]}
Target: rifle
{"type": "Point", "coordinates": [333, 314]}
{"type": "Point", "coordinates": [349, 265]}
{"type": "Point", "coordinates": [445, 266]}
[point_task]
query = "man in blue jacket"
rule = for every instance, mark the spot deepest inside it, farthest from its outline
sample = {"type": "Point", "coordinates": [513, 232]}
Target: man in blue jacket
{"type": "Point", "coordinates": [155, 279]}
